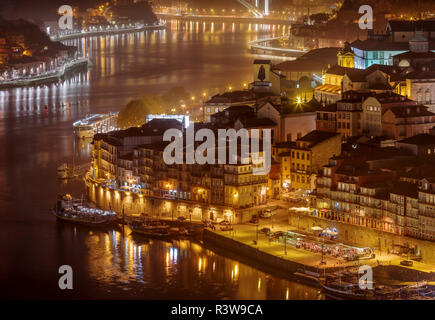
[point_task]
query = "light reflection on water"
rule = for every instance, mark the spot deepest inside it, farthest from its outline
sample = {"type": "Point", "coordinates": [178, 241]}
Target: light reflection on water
{"type": "Point", "coordinates": [181, 269]}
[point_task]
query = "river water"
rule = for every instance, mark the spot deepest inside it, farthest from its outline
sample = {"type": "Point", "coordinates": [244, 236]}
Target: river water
{"type": "Point", "coordinates": [36, 137]}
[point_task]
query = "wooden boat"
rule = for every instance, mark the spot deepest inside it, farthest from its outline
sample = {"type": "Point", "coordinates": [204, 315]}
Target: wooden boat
{"type": "Point", "coordinates": [309, 277]}
{"type": "Point", "coordinates": [70, 210]}
{"type": "Point", "coordinates": [156, 230]}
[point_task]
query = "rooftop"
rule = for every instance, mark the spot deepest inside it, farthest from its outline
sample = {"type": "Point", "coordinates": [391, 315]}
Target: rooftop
{"type": "Point", "coordinates": [232, 97]}
{"type": "Point", "coordinates": [317, 136]}
{"type": "Point", "coordinates": [410, 111]}
{"type": "Point", "coordinates": [420, 139]}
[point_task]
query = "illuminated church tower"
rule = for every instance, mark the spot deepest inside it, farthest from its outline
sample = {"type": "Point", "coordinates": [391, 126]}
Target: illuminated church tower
{"type": "Point", "coordinates": [346, 57]}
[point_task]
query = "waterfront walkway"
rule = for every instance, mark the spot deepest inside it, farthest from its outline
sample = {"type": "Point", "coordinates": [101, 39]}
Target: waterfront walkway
{"type": "Point", "coordinates": [50, 76]}
{"type": "Point", "coordinates": [82, 33]}
{"type": "Point", "coordinates": [247, 234]}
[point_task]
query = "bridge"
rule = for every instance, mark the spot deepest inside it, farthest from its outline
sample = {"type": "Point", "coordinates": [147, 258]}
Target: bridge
{"type": "Point", "coordinates": [220, 18]}
{"type": "Point", "coordinates": [253, 7]}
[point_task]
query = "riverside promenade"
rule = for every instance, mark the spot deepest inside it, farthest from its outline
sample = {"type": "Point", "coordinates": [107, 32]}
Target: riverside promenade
{"type": "Point", "coordinates": [93, 33]}
{"type": "Point", "coordinates": [286, 259]}
{"type": "Point", "coordinates": [48, 77]}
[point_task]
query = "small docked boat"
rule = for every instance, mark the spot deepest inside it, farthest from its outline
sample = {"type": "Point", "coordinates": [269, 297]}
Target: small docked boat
{"type": "Point", "coordinates": [345, 290]}
{"type": "Point", "coordinates": [151, 229]}
{"type": "Point", "coordinates": [309, 277]}
{"type": "Point", "coordinates": [70, 210]}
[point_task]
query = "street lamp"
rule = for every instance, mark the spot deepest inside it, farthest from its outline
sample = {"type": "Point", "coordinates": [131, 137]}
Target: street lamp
{"type": "Point", "coordinates": [285, 243]}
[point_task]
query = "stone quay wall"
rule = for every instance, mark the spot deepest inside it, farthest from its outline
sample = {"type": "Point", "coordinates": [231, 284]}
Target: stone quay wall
{"type": "Point", "coordinates": [252, 254]}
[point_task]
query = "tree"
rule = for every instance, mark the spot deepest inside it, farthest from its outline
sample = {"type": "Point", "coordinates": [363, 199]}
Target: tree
{"type": "Point", "coordinates": [134, 113]}
{"type": "Point", "coordinates": [173, 96]}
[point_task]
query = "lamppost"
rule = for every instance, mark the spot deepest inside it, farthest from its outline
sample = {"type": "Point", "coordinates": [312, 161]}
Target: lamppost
{"type": "Point", "coordinates": [323, 253]}
{"type": "Point", "coordinates": [285, 243]}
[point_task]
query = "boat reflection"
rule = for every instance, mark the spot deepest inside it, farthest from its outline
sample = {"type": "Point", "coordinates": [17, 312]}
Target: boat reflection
{"type": "Point", "coordinates": [181, 269]}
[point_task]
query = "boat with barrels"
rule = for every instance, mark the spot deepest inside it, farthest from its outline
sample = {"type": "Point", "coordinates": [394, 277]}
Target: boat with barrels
{"type": "Point", "coordinates": [151, 228]}
{"type": "Point", "coordinates": [70, 210]}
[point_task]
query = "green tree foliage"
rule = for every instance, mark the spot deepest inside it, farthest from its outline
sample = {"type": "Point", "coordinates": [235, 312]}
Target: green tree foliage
{"type": "Point", "coordinates": [134, 113]}
{"type": "Point", "coordinates": [173, 96]}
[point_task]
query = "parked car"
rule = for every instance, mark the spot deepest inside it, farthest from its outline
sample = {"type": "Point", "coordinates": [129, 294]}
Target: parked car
{"type": "Point", "coordinates": [265, 230]}
{"type": "Point", "coordinates": [266, 214]}
{"type": "Point", "coordinates": [254, 221]}
{"type": "Point", "coordinates": [407, 263]}
{"type": "Point", "coordinates": [181, 218]}
{"type": "Point", "coordinates": [225, 222]}
{"type": "Point", "coordinates": [277, 234]}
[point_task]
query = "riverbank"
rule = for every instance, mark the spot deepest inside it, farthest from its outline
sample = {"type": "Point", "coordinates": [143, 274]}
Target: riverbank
{"type": "Point", "coordinates": [264, 46]}
{"type": "Point", "coordinates": [46, 79]}
{"type": "Point", "coordinates": [160, 26]}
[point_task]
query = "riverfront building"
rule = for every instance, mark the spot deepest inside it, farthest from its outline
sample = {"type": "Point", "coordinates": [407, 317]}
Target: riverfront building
{"type": "Point", "coordinates": [385, 189]}
{"type": "Point", "coordinates": [129, 164]}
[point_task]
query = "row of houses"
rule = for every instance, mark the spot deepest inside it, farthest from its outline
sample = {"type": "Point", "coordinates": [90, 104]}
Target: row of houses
{"type": "Point", "coordinates": [375, 114]}
{"type": "Point", "coordinates": [385, 189]}
{"type": "Point", "coordinates": [133, 159]}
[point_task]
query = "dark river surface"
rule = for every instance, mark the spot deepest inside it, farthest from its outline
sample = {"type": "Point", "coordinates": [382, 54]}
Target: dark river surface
{"type": "Point", "coordinates": [34, 141]}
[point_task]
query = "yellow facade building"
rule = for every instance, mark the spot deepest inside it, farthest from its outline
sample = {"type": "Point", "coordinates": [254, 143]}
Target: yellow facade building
{"type": "Point", "coordinates": [311, 153]}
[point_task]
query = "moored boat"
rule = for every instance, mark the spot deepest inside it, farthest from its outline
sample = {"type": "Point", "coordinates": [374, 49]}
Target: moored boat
{"type": "Point", "coordinates": [345, 290]}
{"type": "Point", "coordinates": [70, 210]}
{"type": "Point", "coordinates": [151, 229]}
{"type": "Point", "coordinates": [309, 277]}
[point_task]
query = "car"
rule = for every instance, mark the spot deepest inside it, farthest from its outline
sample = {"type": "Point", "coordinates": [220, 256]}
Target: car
{"type": "Point", "coordinates": [265, 230]}
{"type": "Point", "coordinates": [254, 221]}
{"type": "Point", "coordinates": [277, 234]}
{"type": "Point", "coordinates": [407, 263]}
{"type": "Point", "coordinates": [266, 214]}
{"type": "Point", "coordinates": [224, 222]}
{"type": "Point", "coordinates": [181, 218]}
